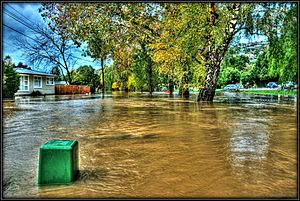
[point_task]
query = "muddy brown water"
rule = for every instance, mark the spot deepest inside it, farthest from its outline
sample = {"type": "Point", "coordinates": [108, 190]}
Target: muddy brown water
{"type": "Point", "coordinates": [133, 146]}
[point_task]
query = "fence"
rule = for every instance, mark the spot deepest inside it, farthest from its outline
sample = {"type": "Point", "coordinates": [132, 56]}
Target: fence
{"type": "Point", "coordinates": [72, 89]}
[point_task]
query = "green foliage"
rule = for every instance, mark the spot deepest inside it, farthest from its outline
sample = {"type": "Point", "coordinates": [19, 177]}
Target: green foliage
{"type": "Point", "coordinates": [11, 80]}
{"type": "Point", "coordinates": [277, 62]}
{"type": "Point", "coordinates": [108, 77]}
{"type": "Point", "coordinates": [238, 62]}
{"type": "Point", "coordinates": [229, 75]}
{"type": "Point", "coordinates": [282, 53]}
{"type": "Point", "coordinates": [234, 68]}
{"type": "Point", "coordinates": [260, 71]}
{"type": "Point", "coordinates": [185, 43]}
{"type": "Point", "coordinates": [116, 86]}
{"type": "Point", "coordinates": [131, 85]}
{"type": "Point", "coordinates": [246, 77]}
{"type": "Point", "coordinates": [143, 69]}
{"type": "Point", "coordinates": [85, 75]}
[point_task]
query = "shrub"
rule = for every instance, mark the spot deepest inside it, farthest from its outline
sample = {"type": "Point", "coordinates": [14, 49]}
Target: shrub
{"type": "Point", "coordinates": [36, 93]}
{"type": "Point", "coordinates": [11, 81]}
{"type": "Point", "coordinates": [116, 86]}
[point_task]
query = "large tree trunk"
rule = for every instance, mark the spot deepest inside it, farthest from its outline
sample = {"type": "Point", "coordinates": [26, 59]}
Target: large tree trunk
{"type": "Point", "coordinates": [149, 69]}
{"type": "Point", "coordinates": [183, 87]}
{"type": "Point", "coordinates": [103, 85]}
{"type": "Point", "coordinates": [208, 92]}
{"type": "Point", "coordinates": [171, 85]}
{"type": "Point", "coordinates": [150, 81]}
{"type": "Point", "coordinates": [69, 76]}
{"type": "Point", "coordinates": [213, 55]}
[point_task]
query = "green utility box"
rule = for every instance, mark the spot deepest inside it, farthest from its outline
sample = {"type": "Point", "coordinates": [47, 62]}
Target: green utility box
{"type": "Point", "coordinates": [58, 162]}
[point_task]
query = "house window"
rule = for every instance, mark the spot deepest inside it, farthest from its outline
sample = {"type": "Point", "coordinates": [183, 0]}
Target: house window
{"type": "Point", "coordinates": [37, 82]}
{"type": "Point", "coordinates": [24, 80]}
{"type": "Point", "coordinates": [49, 81]}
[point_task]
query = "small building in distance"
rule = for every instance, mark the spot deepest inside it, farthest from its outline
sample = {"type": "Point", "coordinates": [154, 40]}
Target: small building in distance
{"type": "Point", "coordinates": [32, 80]}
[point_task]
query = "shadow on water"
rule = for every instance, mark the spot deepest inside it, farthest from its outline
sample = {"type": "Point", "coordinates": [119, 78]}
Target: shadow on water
{"type": "Point", "coordinates": [97, 175]}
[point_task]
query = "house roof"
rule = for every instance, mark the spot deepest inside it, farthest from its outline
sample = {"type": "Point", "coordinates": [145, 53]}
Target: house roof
{"type": "Point", "coordinates": [32, 72]}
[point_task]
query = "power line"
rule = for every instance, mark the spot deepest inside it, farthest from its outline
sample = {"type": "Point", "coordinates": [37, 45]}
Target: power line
{"type": "Point", "coordinates": [38, 41]}
{"type": "Point", "coordinates": [17, 17]}
{"type": "Point", "coordinates": [20, 33]}
{"type": "Point", "coordinates": [19, 13]}
{"type": "Point", "coordinates": [20, 21]}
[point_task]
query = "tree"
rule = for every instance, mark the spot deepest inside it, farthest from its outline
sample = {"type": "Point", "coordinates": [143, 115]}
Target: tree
{"type": "Point", "coordinates": [48, 46]}
{"type": "Point", "coordinates": [11, 80]}
{"type": "Point", "coordinates": [21, 65]}
{"type": "Point", "coordinates": [232, 67]}
{"type": "Point", "coordinates": [185, 40]}
{"type": "Point", "coordinates": [142, 70]}
{"type": "Point", "coordinates": [8, 59]}
{"type": "Point", "coordinates": [282, 51]}
{"type": "Point", "coordinates": [229, 75]}
{"type": "Point", "coordinates": [88, 76]}
{"type": "Point", "coordinates": [246, 76]}
{"type": "Point", "coordinates": [82, 25]}
{"type": "Point", "coordinates": [204, 32]}
{"type": "Point", "coordinates": [101, 25]}
{"type": "Point", "coordinates": [85, 75]}
{"type": "Point", "coordinates": [260, 72]}
{"type": "Point", "coordinates": [109, 77]}
{"type": "Point", "coordinates": [215, 28]}
{"type": "Point", "coordinates": [236, 61]}
{"type": "Point", "coordinates": [56, 71]}
{"type": "Point", "coordinates": [168, 51]}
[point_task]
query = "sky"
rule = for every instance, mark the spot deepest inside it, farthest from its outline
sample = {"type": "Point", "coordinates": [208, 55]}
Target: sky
{"type": "Point", "coordinates": [15, 15]}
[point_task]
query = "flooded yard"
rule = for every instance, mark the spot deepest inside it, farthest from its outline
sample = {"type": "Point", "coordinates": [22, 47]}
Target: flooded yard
{"type": "Point", "coordinates": [134, 146]}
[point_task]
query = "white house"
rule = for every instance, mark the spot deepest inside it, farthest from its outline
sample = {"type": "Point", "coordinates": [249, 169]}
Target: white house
{"type": "Point", "coordinates": [32, 80]}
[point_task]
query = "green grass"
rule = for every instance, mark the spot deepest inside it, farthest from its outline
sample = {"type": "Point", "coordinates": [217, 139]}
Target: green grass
{"type": "Point", "coordinates": [266, 92]}
{"type": "Point", "coordinates": [270, 92]}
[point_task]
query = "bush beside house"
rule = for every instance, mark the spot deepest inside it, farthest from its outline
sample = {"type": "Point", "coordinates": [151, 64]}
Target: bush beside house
{"type": "Point", "coordinates": [11, 81]}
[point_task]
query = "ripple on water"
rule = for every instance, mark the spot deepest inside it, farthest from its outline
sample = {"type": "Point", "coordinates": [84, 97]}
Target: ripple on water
{"type": "Point", "coordinates": [160, 147]}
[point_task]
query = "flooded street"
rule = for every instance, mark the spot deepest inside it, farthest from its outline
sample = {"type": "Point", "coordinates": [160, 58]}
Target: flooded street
{"type": "Point", "coordinates": [133, 146]}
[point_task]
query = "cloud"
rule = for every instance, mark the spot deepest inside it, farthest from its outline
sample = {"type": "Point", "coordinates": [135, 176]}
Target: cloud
{"type": "Point", "coordinates": [15, 15]}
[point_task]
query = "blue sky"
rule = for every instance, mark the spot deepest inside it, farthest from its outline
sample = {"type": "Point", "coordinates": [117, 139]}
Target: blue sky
{"type": "Point", "coordinates": [26, 13]}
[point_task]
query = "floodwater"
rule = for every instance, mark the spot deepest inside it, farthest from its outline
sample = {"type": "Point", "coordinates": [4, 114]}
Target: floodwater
{"type": "Point", "coordinates": [134, 146]}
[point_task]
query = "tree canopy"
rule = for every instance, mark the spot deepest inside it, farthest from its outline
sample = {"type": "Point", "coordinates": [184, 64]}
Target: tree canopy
{"type": "Point", "coordinates": [183, 43]}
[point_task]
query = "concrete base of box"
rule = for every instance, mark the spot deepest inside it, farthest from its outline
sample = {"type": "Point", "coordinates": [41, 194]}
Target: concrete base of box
{"type": "Point", "coordinates": [58, 162]}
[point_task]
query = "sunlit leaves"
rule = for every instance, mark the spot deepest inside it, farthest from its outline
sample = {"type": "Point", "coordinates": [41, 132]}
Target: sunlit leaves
{"type": "Point", "coordinates": [182, 39]}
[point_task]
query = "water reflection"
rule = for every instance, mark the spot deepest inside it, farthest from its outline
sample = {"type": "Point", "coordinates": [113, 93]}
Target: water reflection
{"type": "Point", "coordinates": [249, 145]}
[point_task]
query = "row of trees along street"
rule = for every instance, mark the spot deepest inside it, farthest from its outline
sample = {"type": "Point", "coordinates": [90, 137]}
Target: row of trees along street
{"type": "Point", "coordinates": [166, 44]}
